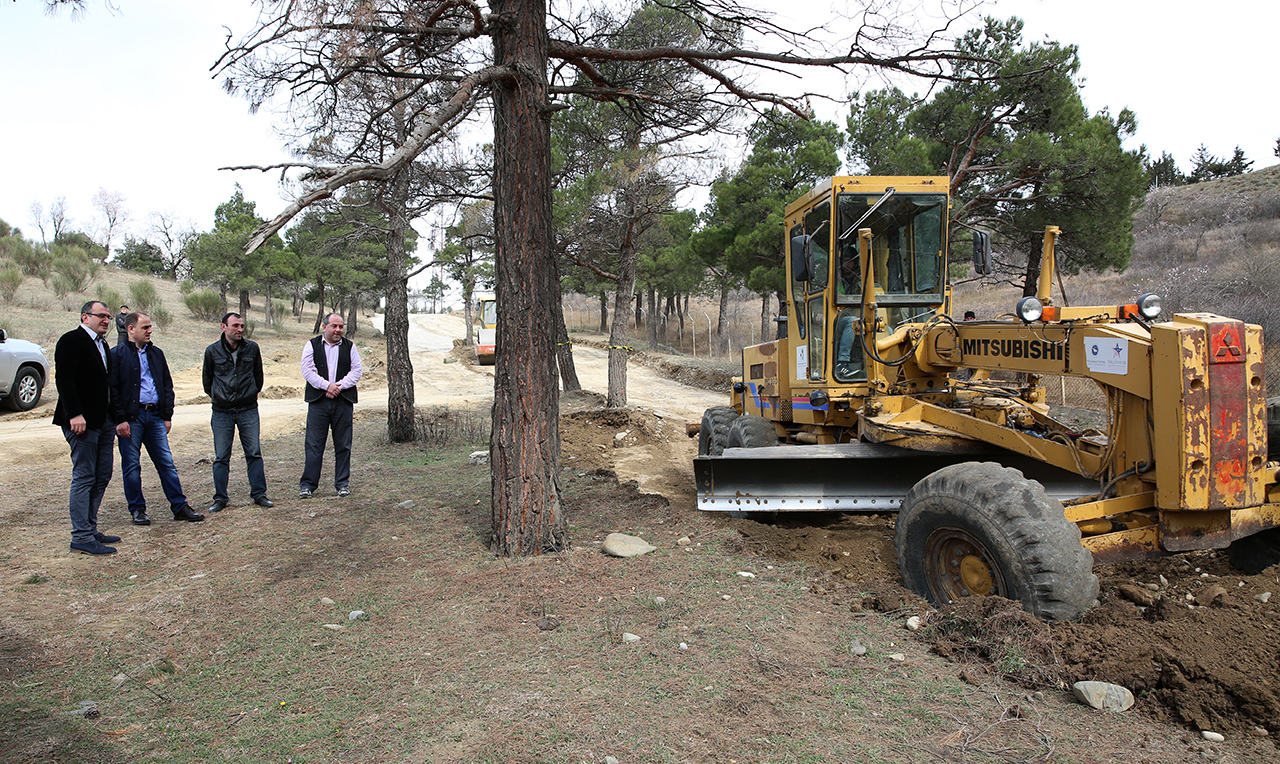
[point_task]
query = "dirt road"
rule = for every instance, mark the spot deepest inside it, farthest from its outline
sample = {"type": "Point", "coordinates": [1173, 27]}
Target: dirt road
{"type": "Point", "coordinates": [30, 439]}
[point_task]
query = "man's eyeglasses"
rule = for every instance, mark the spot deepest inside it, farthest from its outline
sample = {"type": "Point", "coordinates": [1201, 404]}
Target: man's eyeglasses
{"type": "Point", "coordinates": [99, 315]}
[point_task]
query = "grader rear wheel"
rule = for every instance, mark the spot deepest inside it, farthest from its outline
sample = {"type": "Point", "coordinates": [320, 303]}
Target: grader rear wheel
{"type": "Point", "coordinates": [751, 431]}
{"type": "Point", "coordinates": [979, 528]}
{"type": "Point", "coordinates": [713, 435]}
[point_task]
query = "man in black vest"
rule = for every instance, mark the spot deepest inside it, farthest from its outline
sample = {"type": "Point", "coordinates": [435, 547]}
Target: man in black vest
{"type": "Point", "coordinates": [331, 366]}
{"type": "Point", "coordinates": [81, 366]}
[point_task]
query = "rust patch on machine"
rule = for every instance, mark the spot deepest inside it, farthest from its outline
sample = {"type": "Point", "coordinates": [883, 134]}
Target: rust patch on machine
{"type": "Point", "coordinates": [1228, 415]}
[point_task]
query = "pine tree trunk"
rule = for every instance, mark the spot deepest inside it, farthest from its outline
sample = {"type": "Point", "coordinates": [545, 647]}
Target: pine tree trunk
{"type": "Point", "coordinates": [244, 304]}
{"type": "Point", "coordinates": [468, 296]}
{"type": "Point", "coordinates": [528, 517]}
{"type": "Point", "coordinates": [401, 427]}
{"type": "Point", "coordinates": [604, 312]}
{"type": "Point", "coordinates": [353, 316]}
{"type": "Point", "coordinates": [619, 333]}
{"type": "Point", "coordinates": [564, 358]}
{"type": "Point", "coordinates": [268, 318]}
{"type": "Point", "coordinates": [722, 321]}
{"type": "Point", "coordinates": [320, 311]}
{"type": "Point", "coordinates": [653, 315]}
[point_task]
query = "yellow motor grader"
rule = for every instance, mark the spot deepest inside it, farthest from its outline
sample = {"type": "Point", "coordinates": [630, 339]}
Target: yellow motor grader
{"type": "Point", "coordinates": [877, 400]}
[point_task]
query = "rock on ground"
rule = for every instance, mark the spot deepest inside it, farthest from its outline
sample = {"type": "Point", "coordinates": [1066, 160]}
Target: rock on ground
{"type": "Point", "coordinates": [622, 545]}
{"type": "Point", "coordinates": [1103, 695]}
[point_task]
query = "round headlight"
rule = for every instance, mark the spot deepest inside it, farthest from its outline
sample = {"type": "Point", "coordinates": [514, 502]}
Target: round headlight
{"type": "Point", "coordinates": [1030, 309]}
{"type": "Point", "coordinates": [1149, 305]}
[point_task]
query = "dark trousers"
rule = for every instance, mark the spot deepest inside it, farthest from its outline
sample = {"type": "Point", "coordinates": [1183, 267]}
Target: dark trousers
{"type": "Point", "coordinates": [224, 426]}
{"type": "Point", "coordinates": [92, 460]}
{"type": "Point", "coordinates": [322, 416]}
{"type": "Point", "coordinates": [148, 431]}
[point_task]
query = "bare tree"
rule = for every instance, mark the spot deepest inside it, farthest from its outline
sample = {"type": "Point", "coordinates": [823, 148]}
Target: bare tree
{"type": "Point", "coordinates": [38, 217]}
{"type": "Point", "coordinates": [520, 59]}
{"type": "Point", "coordinates": [110, 205]}
{"type": "Point", "coordinates": [172, 238]}
{"type": "Point", "coordinates": [59, 219]}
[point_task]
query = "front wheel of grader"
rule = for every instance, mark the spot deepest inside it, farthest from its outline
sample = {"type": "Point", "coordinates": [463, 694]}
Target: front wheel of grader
{"type": "Point", "coordinates": [978, 528]}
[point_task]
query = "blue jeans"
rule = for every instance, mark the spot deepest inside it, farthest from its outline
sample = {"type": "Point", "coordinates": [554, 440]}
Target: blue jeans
{"type": "Point", "coordinates": [323, 416]}
{"type": "Point", "coordinates": [224, 426]}
{"type": "Point", "coordinates": [148, 431]}
{"type": "Point", "coordinates": [91, 465]}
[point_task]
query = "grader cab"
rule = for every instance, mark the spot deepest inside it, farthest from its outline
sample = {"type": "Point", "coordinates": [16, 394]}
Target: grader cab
{"type": "Point", "coordinates": [877, 400]}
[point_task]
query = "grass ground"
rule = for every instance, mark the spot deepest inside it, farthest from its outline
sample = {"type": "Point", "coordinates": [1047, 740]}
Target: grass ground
{"type": "Point", "coordinates": [217, 642]}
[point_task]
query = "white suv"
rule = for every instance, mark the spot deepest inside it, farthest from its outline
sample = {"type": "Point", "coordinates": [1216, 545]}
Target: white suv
{"type": "Point", "coordinates": [23, 373]}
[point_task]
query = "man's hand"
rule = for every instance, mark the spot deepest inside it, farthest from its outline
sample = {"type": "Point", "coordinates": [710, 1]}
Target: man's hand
{"type": "Point", "coordinates": [77, 424]}
{"type": "Point", "coordinates": [122, 429]}
{"type": "Point", "coordinates": [168, 426]}
{"type": "Point", "coordinates": [333, 390]}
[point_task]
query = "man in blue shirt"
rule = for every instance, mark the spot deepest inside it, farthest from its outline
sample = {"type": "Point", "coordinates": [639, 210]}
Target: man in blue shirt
{"type": "Point", "coordinates": [142, 401]}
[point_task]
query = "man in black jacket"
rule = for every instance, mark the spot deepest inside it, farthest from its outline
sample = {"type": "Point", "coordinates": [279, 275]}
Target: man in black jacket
{"type": "Point", "coordinates": [233, 379]}
{"type": "Point", "coordinates": [80, 364]}
{"type": "Point", "coordinates": [122, 333]}
{"type": "Point", "coordinates": [142, 405]}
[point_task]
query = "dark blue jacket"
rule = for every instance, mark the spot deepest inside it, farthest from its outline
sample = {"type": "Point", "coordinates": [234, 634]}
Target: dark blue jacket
{"type": "Point", "coordinates": [126, 381]}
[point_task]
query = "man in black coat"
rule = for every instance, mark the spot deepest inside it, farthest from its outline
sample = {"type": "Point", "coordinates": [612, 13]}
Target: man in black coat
{"type": "Point", "coordinates": [81, 366]}
{"type": "Point", "coordinates": [232, 380]}
{"type": "Point", "coordinates": [122, 334]}
{"type": "Point", "coordinates": [142, 406]}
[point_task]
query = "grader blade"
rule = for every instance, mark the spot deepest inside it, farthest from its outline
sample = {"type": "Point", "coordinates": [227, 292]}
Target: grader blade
{"type": "Point", "coordinates": [846, 477]}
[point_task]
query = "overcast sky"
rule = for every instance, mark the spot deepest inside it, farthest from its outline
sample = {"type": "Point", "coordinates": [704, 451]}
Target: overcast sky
{"type": "Point", "coordinates": [125, 101]}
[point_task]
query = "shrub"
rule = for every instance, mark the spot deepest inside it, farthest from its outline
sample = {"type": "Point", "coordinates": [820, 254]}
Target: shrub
{"type": "Point", "coordinates": [204, 304]}
{"type": "Point", "coordinates": [109, 297]}
{"type": "Point", "coordinates": [73, 268]}
{"type": "Point", "coordinates": [10, 279]}
{"type": "Point", "coordinates": [279, 309]}
{"type": "Point", "coordinates": [60, 285]}
{"type": "Point", "coordinates": [187, 287]}
{"type": "Point", "coordinates": [142, 295]}
{"type": "Point", "coordinates": [249, 326]}
{"type": "Point", "coordinates": [32, 260]}
{"type": "Point", "coordinates": [161, 317]}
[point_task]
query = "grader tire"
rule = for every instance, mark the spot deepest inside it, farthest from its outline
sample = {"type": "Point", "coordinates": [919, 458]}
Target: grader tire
{"type": "Point", "coordinates": [979, 528]}
{"type": "Point", "coordinates": [713, 435]}
{"type": "Point", "coordinates": [751, 431]}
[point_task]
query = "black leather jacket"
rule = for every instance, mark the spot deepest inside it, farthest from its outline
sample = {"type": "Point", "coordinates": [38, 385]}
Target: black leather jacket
{"type": "Point", "coordinates": [233, 379]}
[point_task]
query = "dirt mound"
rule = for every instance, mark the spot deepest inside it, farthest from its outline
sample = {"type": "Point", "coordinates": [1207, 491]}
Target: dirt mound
{"type": "Point", "coordinates": [589, 435]}
{"type": "Point", "coordinates": [280, 392]}
{"type": "Point", "coordinates": [1198, 644]}
{"type": "Point", "coordinates": [998, 632]}
{"type": "Point", "coordinates": [695, 372]}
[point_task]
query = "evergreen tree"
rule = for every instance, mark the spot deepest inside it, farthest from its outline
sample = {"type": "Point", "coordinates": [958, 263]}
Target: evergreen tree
{"type": "Point", "coordinates": [1163, 172]}
{"type": "Point", "coordinates": [1020, 148]}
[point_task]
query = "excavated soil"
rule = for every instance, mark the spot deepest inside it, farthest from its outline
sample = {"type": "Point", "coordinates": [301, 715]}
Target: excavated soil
{"type": "Point", "coordinates": [1197, 642]}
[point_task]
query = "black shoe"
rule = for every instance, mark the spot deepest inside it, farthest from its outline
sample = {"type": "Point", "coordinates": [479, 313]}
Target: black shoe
{"type": "Point", "coordinates": [140, 517]}
{"type": "Point", "coordinates": [344, 491]}
{"type": "Point", "coordinates": [104, 538]}
{"type": "Point", "coordinates": [304, 493]}
{"type": "Point", "coordinates": [217, 506]}
{"type": "Point", "coordinates": [263, 501]}
{"type": "Point", "coordinates": [187, 513]}
{"type": "Point", "coordinates": [92, 547]}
